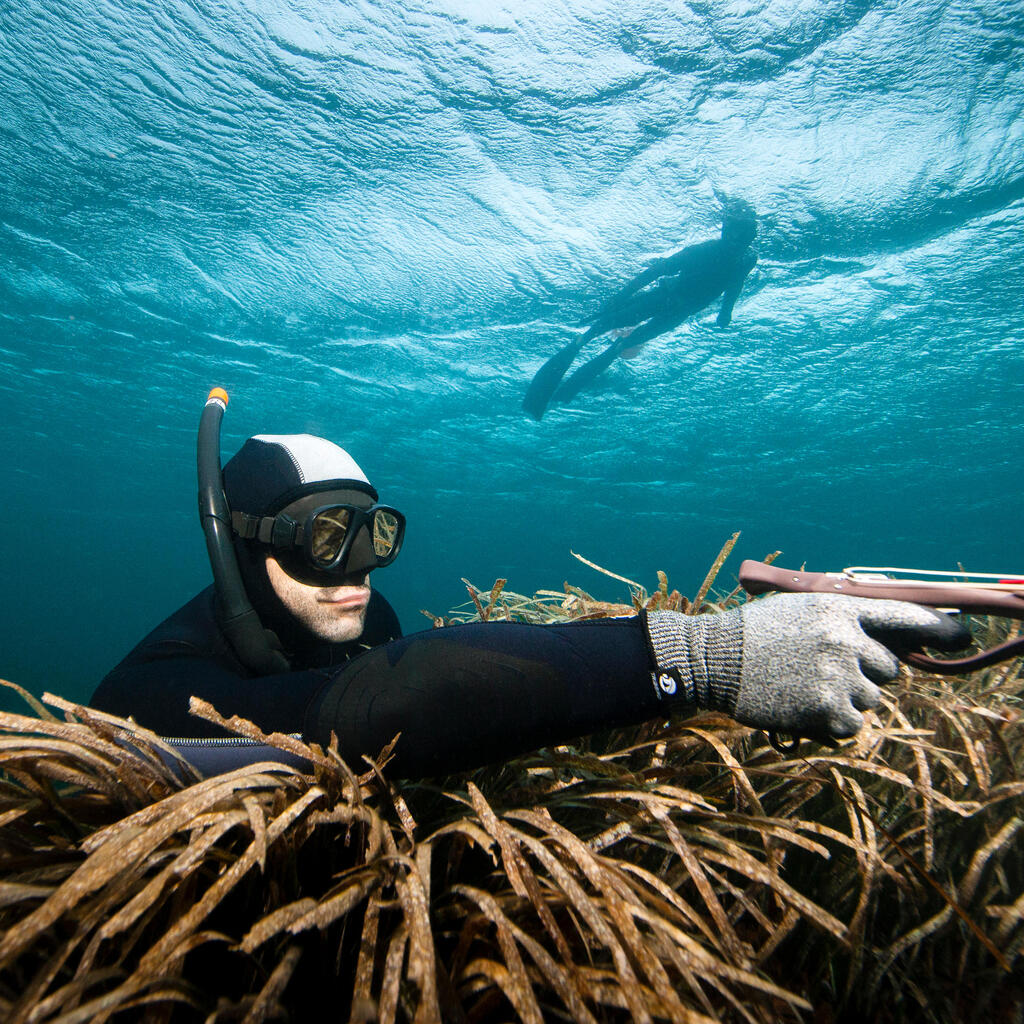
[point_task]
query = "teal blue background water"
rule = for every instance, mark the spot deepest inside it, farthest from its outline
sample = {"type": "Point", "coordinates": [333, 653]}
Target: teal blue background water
{"type": "Point", "coordinates": [375, 221]}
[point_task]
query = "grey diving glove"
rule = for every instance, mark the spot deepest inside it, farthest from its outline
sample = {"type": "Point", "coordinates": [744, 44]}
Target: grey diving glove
{"type": "Point", "coordinates": [804, 664]}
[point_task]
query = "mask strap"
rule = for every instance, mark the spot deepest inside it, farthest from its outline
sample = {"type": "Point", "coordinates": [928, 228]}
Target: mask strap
{"type": "Point", "coordinates": [280, 531]}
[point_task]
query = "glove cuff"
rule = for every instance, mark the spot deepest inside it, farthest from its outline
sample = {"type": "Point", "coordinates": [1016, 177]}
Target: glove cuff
{"type": "Point", "coordinates": [697, 658]}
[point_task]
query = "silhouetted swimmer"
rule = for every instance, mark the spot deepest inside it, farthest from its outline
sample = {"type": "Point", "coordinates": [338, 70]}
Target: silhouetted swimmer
{"type": "Point", "coordinates": [657, 300]}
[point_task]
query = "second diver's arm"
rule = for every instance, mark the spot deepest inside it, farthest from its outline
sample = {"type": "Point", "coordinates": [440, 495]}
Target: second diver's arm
{"type": "Point", "coordinates": [733, 289]}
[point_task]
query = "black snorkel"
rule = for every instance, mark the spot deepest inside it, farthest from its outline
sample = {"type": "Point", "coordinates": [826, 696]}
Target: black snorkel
{"type": "Point", "coordinates": [255, 646]}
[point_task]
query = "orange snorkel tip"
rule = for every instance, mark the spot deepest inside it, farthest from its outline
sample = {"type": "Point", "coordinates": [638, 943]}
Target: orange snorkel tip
{"type": "Point", "coordinates": [218, 395]}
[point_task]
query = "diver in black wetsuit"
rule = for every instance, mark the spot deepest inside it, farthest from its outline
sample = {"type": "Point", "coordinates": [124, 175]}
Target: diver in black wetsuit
{"type": "Point", "coordinates": [657, 300]}
{"type": "Point", "coordinates": [306, 531]}
{"type": "Point", "coordinates": [293, 638]}
{"type": "Point", "coordinates": [312, 629]}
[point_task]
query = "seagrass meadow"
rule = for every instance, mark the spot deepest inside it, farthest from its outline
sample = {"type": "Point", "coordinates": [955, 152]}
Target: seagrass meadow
{"type": "Point", "coordinates": [683, 871]}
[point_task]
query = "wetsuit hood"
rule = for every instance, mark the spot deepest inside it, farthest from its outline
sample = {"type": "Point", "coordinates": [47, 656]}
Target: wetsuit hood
{"type": "Point", "coordinates": [268, 473]}
{"type": "Point", "coordinates": [271, 470]}
{"type": "Point", "coordinates": [739, 224]}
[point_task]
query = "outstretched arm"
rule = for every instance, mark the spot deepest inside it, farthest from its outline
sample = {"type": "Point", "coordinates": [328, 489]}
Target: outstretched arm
{"type": "Point", "coordinates": [732, 292]}
{"type": "Point", "coordinates": [474, 694]}
{"type": "Point", "coordinates": [459, 697]}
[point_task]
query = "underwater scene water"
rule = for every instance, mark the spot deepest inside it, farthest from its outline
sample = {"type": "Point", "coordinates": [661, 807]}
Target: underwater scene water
{"type": "Point", "coordinates": [375, 221]}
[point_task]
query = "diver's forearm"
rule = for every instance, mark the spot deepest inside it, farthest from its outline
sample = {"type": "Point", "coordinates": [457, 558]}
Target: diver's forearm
{"type": "Point", "coordinates": [732, 293]}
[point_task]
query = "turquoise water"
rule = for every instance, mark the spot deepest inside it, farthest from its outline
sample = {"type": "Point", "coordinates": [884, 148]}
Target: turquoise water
{"type": "Point", "coordinates": [375, 221]}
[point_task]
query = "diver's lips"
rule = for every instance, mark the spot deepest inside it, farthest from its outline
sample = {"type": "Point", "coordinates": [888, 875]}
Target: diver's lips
{"type": "Point", "coordinates": [357, 601]}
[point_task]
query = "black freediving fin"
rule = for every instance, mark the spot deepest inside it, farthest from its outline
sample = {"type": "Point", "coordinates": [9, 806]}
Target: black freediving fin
{"type": "Point", "coordinates": [548, 377]}
{"type": "Point", "coordinates": [590, 370]}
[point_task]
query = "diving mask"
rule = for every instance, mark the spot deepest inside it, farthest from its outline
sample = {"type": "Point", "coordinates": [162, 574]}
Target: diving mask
{"type": "Point", "coordinates": [325, 537]}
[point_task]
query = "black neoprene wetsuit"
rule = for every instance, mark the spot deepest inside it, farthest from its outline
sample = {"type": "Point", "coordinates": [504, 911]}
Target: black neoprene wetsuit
{"type": "Point", "coordinates": [188, 654]}
{"type": "Point", "coordinates": [677, 287]}
{"type": "Point", "coordinates": [460, 696]}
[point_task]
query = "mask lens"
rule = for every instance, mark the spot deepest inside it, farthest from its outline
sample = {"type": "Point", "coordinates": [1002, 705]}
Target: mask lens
{"type": "Point", "coordinates": [330, 528]}
{"type": "Point", "coordinates": [385, 533]}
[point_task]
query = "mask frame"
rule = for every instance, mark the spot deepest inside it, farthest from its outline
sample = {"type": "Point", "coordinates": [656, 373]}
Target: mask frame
{"type": "Point", "coordinates": [290, 540]}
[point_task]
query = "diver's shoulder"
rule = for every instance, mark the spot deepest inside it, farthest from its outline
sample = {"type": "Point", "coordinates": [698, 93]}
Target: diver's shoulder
{"type": "Point", "coordinates": [190, 631]}
{"type": "Point", "coordinates": [189, 635]}
{"type": "Point", "coordinates": [382, 623]}
{"type": "Point", "coordinates": [697, 251]}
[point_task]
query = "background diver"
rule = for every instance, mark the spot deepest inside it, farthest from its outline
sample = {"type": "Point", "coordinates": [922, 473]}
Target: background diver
{"type": "Point", "coordinates": [657, 300]}
{"type": "Point", "coordinates": [293, 637]}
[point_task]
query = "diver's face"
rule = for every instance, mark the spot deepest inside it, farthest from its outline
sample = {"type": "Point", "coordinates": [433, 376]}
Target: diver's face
{"type": "Point", "coordinates": [335, 613]}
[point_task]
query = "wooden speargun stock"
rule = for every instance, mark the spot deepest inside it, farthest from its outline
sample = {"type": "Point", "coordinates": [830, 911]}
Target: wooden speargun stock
{"type": "Point", "coordinates": [980, 594]}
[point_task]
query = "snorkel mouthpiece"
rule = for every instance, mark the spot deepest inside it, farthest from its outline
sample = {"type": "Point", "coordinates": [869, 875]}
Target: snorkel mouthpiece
{"type": "Point", "coordinates": [255, 647]}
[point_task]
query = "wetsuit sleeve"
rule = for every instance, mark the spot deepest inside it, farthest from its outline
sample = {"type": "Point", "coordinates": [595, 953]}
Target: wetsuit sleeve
{"type": "Point", "coordinates": [732, 291]}
{"type": "Point", "coordinates": [469, 695]}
